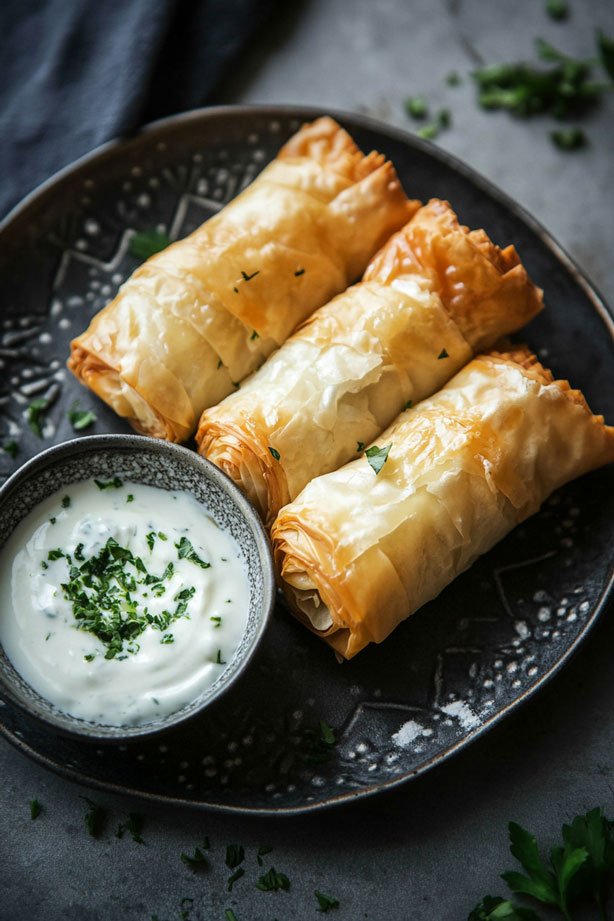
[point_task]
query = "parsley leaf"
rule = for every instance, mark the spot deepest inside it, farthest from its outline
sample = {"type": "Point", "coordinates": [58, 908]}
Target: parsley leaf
{"type": "Point", "coordinates": [35, 413]}
{"type": "Point", "coordinates": [263, 850]}
{"type": "Point", "coordinates": [443, 354]}
{"type": "Point", "coordinates": [606, 52]}
{"type": "Point", "coordinates": [235, 854]}
{"type": "Point", "coordinates": [325, 902]}
{"type": "Point", "coordinates": [230, 915]}
{"type": "Point", "coordinates": [497, 909]}
{"type": "Point", "coordinates": [595, 834]}
{"type": "Point", "coordinates": [541, 883]}
{"type": "Point", "coordinates": [115, 483]}
{"type": "Point", "coordinates": [148, 242]}
{"type": "Point", "coordinates": [80, 418]}
{"type": "Point", "coordinates": [133, 826]}
{"type": "Point", "coordinates": [416, 107]}
{"type": "Point", "coordinates": [11, 448]}
{"type": "Point", "coordinates": [238, 873]}
{"type": "Point", "coordinates": [377, 457]}
{"type": "Point", "coordinates": [66, 502]}
{"type": "Point", "coordinates": [557, 9]}
{"type": "Point", "coordinates": [186, 551]}
{"type": "Point", "coordinates": [195, 861]}
{"type": "Point", "coordinates": [94, 818]}
{"type": "Point", "coordinates": [569, 138]}
{"type": "Point", "coordinates": [272, 881]}
{"type": "Point", "coordinates": [35, 809]}
{"type": "Point", "coordinates": [275, 453]}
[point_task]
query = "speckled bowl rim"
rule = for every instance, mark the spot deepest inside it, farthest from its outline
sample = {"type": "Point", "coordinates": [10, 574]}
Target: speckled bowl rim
{"type": "Point", "coordinates": [113, 442]}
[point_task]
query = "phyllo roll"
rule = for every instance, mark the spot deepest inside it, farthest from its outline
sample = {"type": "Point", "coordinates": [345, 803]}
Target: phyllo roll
{"type": "Point", "coordinates": [359, 551]}
{"type": "Point", "coordinates": [433, 295]}
{"type": "Point", "coordinates": [199, 316]}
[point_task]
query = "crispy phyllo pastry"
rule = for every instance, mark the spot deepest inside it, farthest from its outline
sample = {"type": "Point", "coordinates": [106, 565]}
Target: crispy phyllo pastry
{"type": "Point", "coordinates": [430, 298]}
{"type": "Point", "coordinates": [197, 318]}
{"type": "Point", "coordinates": [364, 547]}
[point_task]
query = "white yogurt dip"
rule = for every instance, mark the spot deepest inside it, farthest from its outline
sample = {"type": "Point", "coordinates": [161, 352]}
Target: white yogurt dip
{"type": "Point", "coordinates": [119, 602]}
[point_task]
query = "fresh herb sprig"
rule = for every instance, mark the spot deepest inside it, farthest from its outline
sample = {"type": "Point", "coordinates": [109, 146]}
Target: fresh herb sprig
{"type": "Point", "coordinates": [578, 869]}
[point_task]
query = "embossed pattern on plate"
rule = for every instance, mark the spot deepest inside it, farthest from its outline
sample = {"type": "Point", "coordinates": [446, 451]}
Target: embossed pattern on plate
{"type": "Point", "coordinates": [452, 670]}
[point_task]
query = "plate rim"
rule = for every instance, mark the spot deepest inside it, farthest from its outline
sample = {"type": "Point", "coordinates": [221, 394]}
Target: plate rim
{"type": "Point", "coordinates": [212, 113]}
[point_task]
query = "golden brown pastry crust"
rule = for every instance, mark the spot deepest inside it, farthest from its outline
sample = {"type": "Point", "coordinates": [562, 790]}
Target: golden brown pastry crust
{"type": "Point", "coordinates": [201, 315]}
{"type": "Point", "coordinates": [358, 553]}
{"type": "Point", "coordinates": [358, 361]}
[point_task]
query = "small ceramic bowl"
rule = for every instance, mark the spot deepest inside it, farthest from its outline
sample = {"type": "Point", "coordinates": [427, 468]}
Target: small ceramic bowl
{"type": "Point", "coordinates": [155, 463]}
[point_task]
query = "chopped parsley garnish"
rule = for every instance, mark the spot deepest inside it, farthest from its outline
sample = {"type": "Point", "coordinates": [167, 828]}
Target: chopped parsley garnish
{"type": "Point", "coordinates": [327, 733]}
{"type": "Point", "coordinates": [133, 826]}
{"type": "Point", "coordinates": [272, 881]}
{"type": "Point", "coordinates": [66, 502]}
{"type": "Point", "coordinates": [235, 854]}
{"type": "Point", "coordinates": [34, 414]}
{"type": "Point", "coordinates": [11, 448]}
{"type": "Point", "coordinates": [151, 539]}
{"type": "Point", "coordinates": [557, 9]}
{"type": "Point", "coordinates": [263, 850]}
{"type": "Point", "coordinates": [90, 657]}
{"type": "Point", "coordinates": [101, 593]}
{"type": "Point", "coordinates": [416, 107]}
{"type": "Point", "coordinates": [453, 78]}
{"type": "Point", "coordinates": [219, 363]}
{"type": "Point", "coordinates": [80, 418]}
{"type": "Point", "coordinates": [35, 809]}
{"type": "Point", "coordinates": [129, 497]}
{"type": "Point", "coordinates": [230, 915]}
{"type": "Point", "coordinates": [162, 535]}
{"type": "Point", "coordinates": [238, 873]}
{"type": "Point", "coordinates": [299, 272]}
{"type": "Point", "coordinates": [360, 446]}
{"type": "Point", "coordinates": [44, 565]}
{"type": "Point", "coordinates": [115, 483]}
{"type": "Point", "coordinates": [218, 658]}
{"type": "Point", "coordinates": [247, 277]}
{"type": "Point", "coordinates": [148, 242]}
{"type": "Point", "coordinates": [195, 861]}
{"type": "Point", "coordinates": [236, 291]}
{"type": "Point", "coordinates": [167, 638]}
{"type": "Point", "coordinates": [443, 354]}
{"type": "Point", "coordinates": [428, 132]}
{"type": "Point", "coordinates": [569, 138]}
{"type": "Point", "coordinates": [95, 817]}
{"type": "Point", "coordinates": [377, 457]}
{"type": "Point", "coordinates": [187, 552]}
{"type": "Point", "coordinates": [409, 404]}
{"type": "Point", "coordinates": [255, 335]}
{"type": "Point", "coordinates": [217, 621]}
{"type": "Point", "coordinates": [275, 453]}
{"type": "Point", "coordinates": [53, 520]}
{"type": "Point", "coordinates": [325, 902]}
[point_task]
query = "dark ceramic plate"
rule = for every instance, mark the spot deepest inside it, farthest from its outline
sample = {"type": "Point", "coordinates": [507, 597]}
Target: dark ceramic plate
{"type": "Point", "coordinates": [455, 668]}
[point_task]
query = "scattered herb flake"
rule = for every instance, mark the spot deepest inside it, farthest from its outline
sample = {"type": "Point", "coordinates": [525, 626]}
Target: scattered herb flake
{"type": "Point", "coordinates": [453, 78]}
{"type": "Point", "coordinates": [218, 658]}
{"type": "Point", "coordinates": [272, 881]}
{"type": "Point", "coordinates": [56, 554]}
{"type": "Point", "coordinates": [497, 909]}
{"type": "Point", "coordinates": [34, 414]}
{"type": "Point", "coordinates": [247, 277]}
{"type": "Point", "coordinates": [151, 539]}
{"type": "Point", "coordinates": [557, 9]}
{"type": "Point", "coordinates": [299, 272]}
{"type": "Point", "coordinates": [275, 453]}
{"type": "Point", "coordinates": [416, 107]}
{"type": "Point", "coordinates": [327, 733]}
{"type": "Point", "coordinates": [230, 915]}
{"type": "Point", "coordinates": [195, 861]}
{"type": "Point", "coordinates": [66, 502]}
{"type": "Point", "coordinates": [115, 483]}
{"type": "Point", "coordinates": [325, 902]}
{"type": "Point", "coordinates": [53, 520]}
{"type": "Point", "coordinates": [360, 446]}
{"type": "Point", "coordinates": [217, 621]}
{"type": "Point", "coordinates": [238, 873]}
{"type": "Point", "coordinates": [147, 243]}
{"type": "Point", "coordinates": [569, 138]}
{"type": "Point", "coordinates": [444, 118]}
{"type": "Point", "coordinates": [255, 335]}
{"type": "Point", "coordinates": [443, 354]}
{"type": "Point", "coordinates": [219, 363]}
{"type": "Point", "coordinates": [90, 657]}
{"type": "Point", "coordinates": [129, 497]}
{"type": "Point", "coordinates": [80, 419]}
{"type": "Point", "coordinates": [429, 132]}
{"type": "Point", "coordinates": [235, 854]}
{"type": "Point", "coordinates": [162, 535]}
{"type": "Point", "coordinates": [187, 552]}
{"type": "Point", "coordinates": [409, 404]}
{"type": "Point", "coordinates": [167, 638]}
{"type": "Point", "coordinates": [94, 818]}
{"type": "Point", "coordinates": [377, 457]}
{"type": "Point", "coordinates": [35, 809]}
{"type": "Point", "coordinates": [11, 448]}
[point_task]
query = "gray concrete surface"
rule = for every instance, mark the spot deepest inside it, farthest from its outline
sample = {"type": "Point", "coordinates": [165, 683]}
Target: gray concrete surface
{"type": "Point", "coordinates": [431, 850]}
